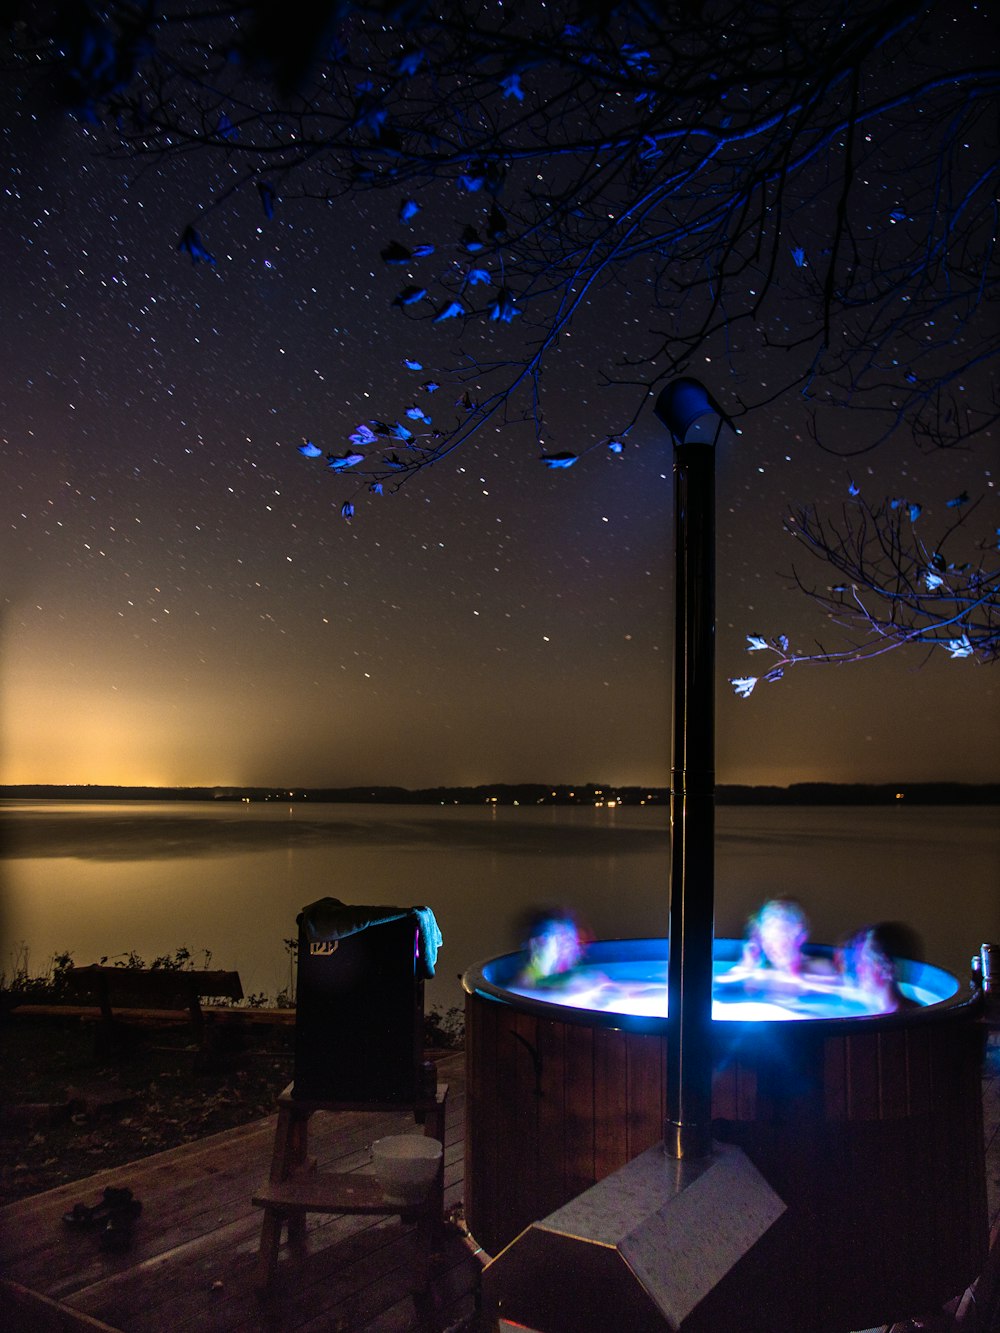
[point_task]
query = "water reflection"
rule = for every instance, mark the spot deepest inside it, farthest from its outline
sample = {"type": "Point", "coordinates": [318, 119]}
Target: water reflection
{"type": "Point", "coordinates": [101, 880]}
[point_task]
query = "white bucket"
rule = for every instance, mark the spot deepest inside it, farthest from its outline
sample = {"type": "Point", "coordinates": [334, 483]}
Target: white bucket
{"type": "Point", "coordinates": [405, 1165]}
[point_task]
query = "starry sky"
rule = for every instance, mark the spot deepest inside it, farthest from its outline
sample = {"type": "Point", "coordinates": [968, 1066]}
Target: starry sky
{"type": "Point", "coordinates": [183, 603]}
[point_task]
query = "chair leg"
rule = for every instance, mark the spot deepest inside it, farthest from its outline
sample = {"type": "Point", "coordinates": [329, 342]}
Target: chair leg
{"type": "Point", "coordinates": [435, 1128]}
{"type": "Point", "coordinates": [297, 1232]}
{"type": "Point", "coordinates": [290, 1146]}
{"type": "Point", "coordinates": [290, 1143]}
{"type": "Point", "coordinates": [267, 1255]}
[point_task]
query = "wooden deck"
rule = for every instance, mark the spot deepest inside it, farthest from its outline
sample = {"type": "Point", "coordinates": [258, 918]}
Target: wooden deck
{"type": "Point", "coordinates": [191, 1264]}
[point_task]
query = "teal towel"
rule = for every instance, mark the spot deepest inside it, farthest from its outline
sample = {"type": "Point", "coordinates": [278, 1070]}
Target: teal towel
{"type": "Point", "coordinates": [330, 919]}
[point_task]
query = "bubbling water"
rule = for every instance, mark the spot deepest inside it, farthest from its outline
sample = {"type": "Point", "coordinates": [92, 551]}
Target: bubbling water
{"type": "Point", "coordinates": [774, 978]}
{"type": "Point", "coordinates": [639, 987]}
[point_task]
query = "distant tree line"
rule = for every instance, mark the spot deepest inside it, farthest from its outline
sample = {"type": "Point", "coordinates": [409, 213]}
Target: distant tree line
{"type": "Point", "coordinates": [533, 794]}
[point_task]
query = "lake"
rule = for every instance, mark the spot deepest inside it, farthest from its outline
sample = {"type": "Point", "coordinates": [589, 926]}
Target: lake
{"type": "Point", "coordinates": [102, 878]}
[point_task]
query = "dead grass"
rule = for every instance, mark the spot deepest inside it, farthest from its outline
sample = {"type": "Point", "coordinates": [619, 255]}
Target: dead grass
{"type": "Point", "coordinates": [65, 1113]}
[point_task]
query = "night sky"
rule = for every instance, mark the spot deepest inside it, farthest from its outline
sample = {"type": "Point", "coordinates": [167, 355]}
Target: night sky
{"type": "Point", "coordinates": [183, 603]}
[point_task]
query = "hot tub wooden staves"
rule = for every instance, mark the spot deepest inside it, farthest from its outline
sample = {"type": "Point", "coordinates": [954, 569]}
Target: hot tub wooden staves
{"type": "Point", "coordinates": [869, 1129]}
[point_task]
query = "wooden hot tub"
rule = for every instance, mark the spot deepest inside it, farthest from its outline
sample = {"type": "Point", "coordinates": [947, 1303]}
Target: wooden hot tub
{"type": "Point", "coordinates": [870, 1128]}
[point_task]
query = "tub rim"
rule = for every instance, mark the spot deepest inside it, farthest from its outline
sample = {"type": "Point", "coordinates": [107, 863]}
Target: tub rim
{"type": "Point", "coordinates": [965, 1001]}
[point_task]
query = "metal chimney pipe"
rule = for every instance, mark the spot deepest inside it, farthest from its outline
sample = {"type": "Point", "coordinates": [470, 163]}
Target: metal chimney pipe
{"type": "Point", "coordinates": [695, 422]}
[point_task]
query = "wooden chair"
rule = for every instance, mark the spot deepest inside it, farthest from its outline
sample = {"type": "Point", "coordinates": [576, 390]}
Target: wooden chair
{"type": "Point", "coordinates": [293, 1189]}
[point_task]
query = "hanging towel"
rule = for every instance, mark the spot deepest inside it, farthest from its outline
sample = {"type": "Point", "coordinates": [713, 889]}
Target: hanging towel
{"type": "Point", "coordinates": [330, 919]}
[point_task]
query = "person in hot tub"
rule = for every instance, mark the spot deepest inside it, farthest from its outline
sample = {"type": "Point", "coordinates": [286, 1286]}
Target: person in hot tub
{"type": "Point", "coordinates": [773, 954]}
{"type": "Point", "coordinates": [868, 967]}
{"type": "Point", "coordinates": [554, 946]}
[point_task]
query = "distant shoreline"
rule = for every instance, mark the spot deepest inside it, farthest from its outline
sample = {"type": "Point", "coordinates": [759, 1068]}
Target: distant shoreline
{"type": "Point", "coordinates": [534, 794]}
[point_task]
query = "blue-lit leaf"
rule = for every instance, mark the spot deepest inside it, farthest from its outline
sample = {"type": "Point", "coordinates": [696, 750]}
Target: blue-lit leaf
{"type": "Point", "coordinates": [959, 647]}
{"type": "Point", "coordinates": [482, 173]}
{"type": "Point", "coordinates": [783, 642]}
{"type": "Point", "coordinates": [394, 253]}
{"type": "Point", "coordinates": [799, 257]}
{"type": "Point", "coordinates": [504, 307]}
{"type": "Point", "coordinates": [511, 86]}
{"type": "Point", "coordinates": [853, 489]}
{"type": "Point", "coordinates": [933, 581]}
{"type": "Point", "coordinates": [347, 510]}
{"type": "Point", "coordinates": [616, 446]}
{"type": "Point", "coordinates": [471, 240]}
{"type": "Point", "coordinates": [496, 226]}
{"type": "Point", "coordinates": [775, 674]}
{"type": "Point", "coordinates": [268, 198]}
{"type": "Point", "coordinates": [451, 311]}
{"type": "Point", "coordinates": [418, 414]}
{"type": "Point", "coordinates": [191, 243]}
{"type": "Point", "coordinates": [475, 276]}
{"type": "Point", "coordinates": [559, 460]}
{"type": "Point", "coordinates": [743, 685]}
{"type": "Point", "coordinates": [400, 432]}
{"type": "Point", "coordinates": [473, 178]}
{"type": "Point", "coordinates": [225, 128]}
{"type": "Point", "coordinates": [430, 386]}
{"type": "Point", "coordinates": [310, 450]}
{"type": "Point", "coordinates": [422, 251]}
{"type": "Point", "coordinates": [408, 208]}
{"type": "Point", "coordinates": [376, 488]}
{"type": "Point", "coordinates": [395, 462]}
{"type": "Point", "coordinates": [898, 215]}
{"type": "Point", "coordinates": [915, 512]}
{"type": "Point", "coordinates": [362, 436]}
{"type": "Point", "coordinates": [962, 499]}
{"type": "Point", "coordinates": [755, 643]}
{"type": "Point", "coordinates": [370, 115]}
{"type": "Point", "coordinates": [636, 57]}
{"type": "Point", "coordinates": [410, 295]}
{"type": "Point", "coordinates": [341, 462]}
{"type": "Point", "coordinates": [412, 365]}
{"type": "Point", "coordinates": [408, 63]}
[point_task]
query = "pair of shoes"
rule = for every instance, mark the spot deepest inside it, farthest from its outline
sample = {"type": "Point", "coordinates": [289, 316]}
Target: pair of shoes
{"type": "Point", "coordinates": [117, 1233]}
{"type": "Point", "coordinates": [115, 1212]}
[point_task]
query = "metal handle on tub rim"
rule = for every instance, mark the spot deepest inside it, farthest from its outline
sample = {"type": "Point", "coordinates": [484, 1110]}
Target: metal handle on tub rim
{"type": "Point", "coordinates": [989, 967]}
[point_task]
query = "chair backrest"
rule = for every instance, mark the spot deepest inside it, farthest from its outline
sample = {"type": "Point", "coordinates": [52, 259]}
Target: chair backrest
{"type": "Point", "coordinates": [359, 1009]}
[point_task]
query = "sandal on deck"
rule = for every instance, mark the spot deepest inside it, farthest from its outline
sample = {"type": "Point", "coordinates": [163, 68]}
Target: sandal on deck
{"type": "Point", "coordinates": [115, 1205]}
{"type": "Point", "coordinates": [117, 1235]}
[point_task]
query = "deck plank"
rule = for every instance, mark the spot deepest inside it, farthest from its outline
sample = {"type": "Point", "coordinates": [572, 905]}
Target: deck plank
{"type": "Point", "coordinates": [192, 1260]}
{"type": "Point", "coordinates": [192, 1264]}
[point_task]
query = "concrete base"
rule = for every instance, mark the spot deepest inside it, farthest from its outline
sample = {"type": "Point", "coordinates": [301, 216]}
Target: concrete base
{"type": "Point", "coordinates": [685, 1246]}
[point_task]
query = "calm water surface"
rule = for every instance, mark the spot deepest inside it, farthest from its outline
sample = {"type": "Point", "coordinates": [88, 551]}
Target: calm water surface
{"type": "Point", "coordinates": [103, 879]}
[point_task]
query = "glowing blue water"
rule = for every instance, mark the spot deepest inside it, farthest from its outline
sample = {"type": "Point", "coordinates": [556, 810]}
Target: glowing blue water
{"type": "Point", "coordinates": [639, 987]}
